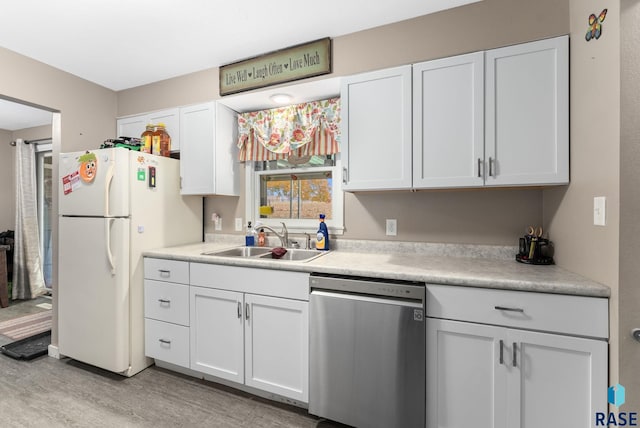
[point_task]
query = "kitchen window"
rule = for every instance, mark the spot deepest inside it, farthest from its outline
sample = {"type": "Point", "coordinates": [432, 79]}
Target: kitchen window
{"type": "Point", "coordinates": [296, 194]}
{"type": "Point", "coordinates": [292, 165]}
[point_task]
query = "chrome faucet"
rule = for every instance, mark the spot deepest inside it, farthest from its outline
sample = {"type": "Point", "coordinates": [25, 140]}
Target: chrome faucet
{"type": "Point", "coordinates": [284, 235]}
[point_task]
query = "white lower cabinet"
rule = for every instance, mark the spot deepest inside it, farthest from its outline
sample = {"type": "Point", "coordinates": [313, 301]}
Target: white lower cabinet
{"type": "Point", "coordinates": [217, 325]}
{"type": "Point", "coordinates": [257, 340]}
{"type": "Point", "coordinates": [244, 325]}
{"type": "Point", "coordinates": [166, 310]}
{"type": "Point", "coordinates": [492, 376]}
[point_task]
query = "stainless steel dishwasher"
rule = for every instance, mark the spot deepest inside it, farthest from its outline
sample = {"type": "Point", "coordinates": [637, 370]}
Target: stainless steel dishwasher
{"type": "Point", "coordinates": [367, 351]}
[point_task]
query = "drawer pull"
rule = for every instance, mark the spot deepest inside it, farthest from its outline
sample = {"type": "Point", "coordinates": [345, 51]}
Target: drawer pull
{"type": "Point", "coordinates": [515, 350]}
{"type": "Point", "coordinates": [164, 301]}
{"type": "Point", "coordinates": [164, 273]}
{"type": "Point", "coordinates": [504, 308]}
{"type": "Point", "coordinates": [165, 341]}
{"type": "Point", "coordinates": [501, 351]}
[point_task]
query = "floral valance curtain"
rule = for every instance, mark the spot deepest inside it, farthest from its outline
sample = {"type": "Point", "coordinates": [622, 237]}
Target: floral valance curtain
{"type": "Point", "coordinates": [297, 130]}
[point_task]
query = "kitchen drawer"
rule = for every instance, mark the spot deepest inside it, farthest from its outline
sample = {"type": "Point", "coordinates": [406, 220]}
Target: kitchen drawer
{"type": "Point", "coordinates": [165, 301]}
{"type": "Point", "coordinates": [166, 270]}
{"type": "Point", "coordinates": [574, 315]}
{"type": "Point", "coordinates": [166, 342]}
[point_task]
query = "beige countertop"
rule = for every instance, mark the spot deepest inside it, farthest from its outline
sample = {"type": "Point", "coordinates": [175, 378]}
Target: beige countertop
{"type": "Point", "coordinates": [412, 262]}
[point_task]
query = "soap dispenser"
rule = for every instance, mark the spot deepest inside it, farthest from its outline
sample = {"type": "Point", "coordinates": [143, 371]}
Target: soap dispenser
{"type": "Point", "coordinates": [322, 238]}
{"type": "Point", "coordinates": [249, 239]}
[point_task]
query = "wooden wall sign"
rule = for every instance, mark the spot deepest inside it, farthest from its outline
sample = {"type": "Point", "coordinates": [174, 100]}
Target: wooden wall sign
{"type": "Point", "coordinates": [294, 63]}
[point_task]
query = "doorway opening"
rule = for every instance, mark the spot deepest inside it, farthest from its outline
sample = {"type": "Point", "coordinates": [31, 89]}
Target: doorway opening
{"type": "Point", "coordinates": [44, 177]}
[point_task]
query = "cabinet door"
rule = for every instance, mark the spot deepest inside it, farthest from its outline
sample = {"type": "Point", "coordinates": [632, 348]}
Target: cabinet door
{"type": "Point", "coordinates": [376, 130]}
{"type": "Point", "coordinates": [448, 122]}
{"type": "Point", "coordinates": [171, 120]}
{"type": "Point", "coordinates": [555, 381]}
{"type": "Point", "coordinates": [527, 113]}
{"type": "Point", "coordinates": [466, 383]}
{"type": "Point", "coordinates": [216, 321]}
{"type": "Point", "coordinates": [197, 167]}
{"type": "Point", "coordinates": [277, 346]}
{"type": "Point", "coordinates": [227, 166]}
{"type": "Point", "coordinates": [132, 126]}
{"type": "Point", "coordinates": [208, 159]}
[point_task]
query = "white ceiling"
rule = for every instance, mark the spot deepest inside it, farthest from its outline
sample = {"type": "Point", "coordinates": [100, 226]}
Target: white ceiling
{"type": "Point", "coordinates": [121, 44]}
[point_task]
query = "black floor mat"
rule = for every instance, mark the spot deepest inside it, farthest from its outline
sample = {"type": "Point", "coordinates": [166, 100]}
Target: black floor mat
{"type": "Point", "coordinates": [29, 347]}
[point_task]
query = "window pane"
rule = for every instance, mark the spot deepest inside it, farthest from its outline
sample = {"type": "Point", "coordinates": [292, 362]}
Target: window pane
{"type": "Point", "coordinates": [296, 196]}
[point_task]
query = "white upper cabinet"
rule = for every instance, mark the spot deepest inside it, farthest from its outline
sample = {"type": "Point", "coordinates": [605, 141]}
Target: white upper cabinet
{"type": "Point", "coordinates": [134, 126]}
{"type": "Point", "coordinates": [490, 118]}
{"type": "Point", "coordinates": [448, 122]}
{"type": "Point", "coordinates": [527, 113]}
{"type": "Point", "coordinates": [376, 130]}
{"type": "Point", "coordinates": [208, 159]}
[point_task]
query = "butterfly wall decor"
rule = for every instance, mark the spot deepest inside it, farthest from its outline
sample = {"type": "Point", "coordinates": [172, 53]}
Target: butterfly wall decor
{"type": "Point", "coordinates": [595, 25]}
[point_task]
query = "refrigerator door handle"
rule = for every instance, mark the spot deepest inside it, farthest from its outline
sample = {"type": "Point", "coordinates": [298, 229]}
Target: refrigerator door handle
{"type": "Point", "coordinates": [107, 186]}
{"type": "Point", "coordinates": [108, 222]}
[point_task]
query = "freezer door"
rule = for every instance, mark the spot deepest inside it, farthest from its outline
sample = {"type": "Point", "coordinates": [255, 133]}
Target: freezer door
{"type": "Point", "coordinates": [93, 291]}
{"type": "Point", "coordinates": [94, 183]}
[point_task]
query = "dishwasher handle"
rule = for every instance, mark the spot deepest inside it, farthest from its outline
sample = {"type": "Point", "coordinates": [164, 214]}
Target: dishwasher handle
{"type": "Point", "coordinates": [368, 298]}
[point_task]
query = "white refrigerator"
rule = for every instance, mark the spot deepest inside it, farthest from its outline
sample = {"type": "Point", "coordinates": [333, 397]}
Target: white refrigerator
{"type": "Point", "coordinates": [113, 205]}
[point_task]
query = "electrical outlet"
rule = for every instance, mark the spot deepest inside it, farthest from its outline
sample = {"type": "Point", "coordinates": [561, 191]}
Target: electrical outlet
{"type": "Point", "coordinates": [238, 224]}
{"type": "Point", "coordinates": [392, 227]}
{"type": "Point", "coordinates": [218, 224]}
{"type": "Point", "coordinates": [599, 211]}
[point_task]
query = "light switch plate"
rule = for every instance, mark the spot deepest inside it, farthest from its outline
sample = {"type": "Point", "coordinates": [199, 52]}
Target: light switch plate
{"type": "Point", "coordinates": [599, 211]}
{"type": "Point", "coordinates": [238, 224]}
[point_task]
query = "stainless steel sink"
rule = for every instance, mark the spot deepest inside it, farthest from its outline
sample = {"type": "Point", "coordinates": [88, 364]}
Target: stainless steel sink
{"type": "Point", "coordinates": [296, 254]}
{"type": "Point", "coordinates": [240, 252]}
{"type": "Point", "coordinates": [292, 254]}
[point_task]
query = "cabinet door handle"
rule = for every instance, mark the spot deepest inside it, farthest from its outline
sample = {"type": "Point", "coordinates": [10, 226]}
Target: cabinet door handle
{"type": "Point", "coordinates": [505, 308]}
{"type": "Point", "coordinates": [501, 351]}
{"type": "Point", "coordinates": [515, 353]}
{"type": "Point", "coordinates": [345, 176]}
{"type": "Point", "coordinates": [490, 166]}
{"type": "Point", "coordinates": [479, 167]}
{"type": "Point", "coordinates": [239, 310]}
{"type": "Point", "coordinates": [164, 301]}
{"type": "Point", "coordinates": [165, 341]}
{"type": "Point", "coordinates": [164, 273]}
{"type": "Point", "coordinates": [246, 311]}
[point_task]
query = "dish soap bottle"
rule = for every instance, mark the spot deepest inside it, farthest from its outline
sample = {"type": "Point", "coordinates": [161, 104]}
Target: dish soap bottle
{"type": "Point", "coordinates": [261, 238]}
{"type": "Point", "coordinates": [249, 239]}
{"type": "Point", "coordinates": [322, 238]}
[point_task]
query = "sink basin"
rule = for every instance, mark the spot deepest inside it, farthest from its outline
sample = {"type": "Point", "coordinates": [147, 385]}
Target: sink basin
{"type": "Point", "coordinates": [292, 254]}
{"type": "Point", "coordinates": [240, 252]}
{"type": "Point", "coordinates": [296, 254]}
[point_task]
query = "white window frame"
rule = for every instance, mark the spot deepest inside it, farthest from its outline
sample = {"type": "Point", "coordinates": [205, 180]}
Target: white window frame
{"type": "Point", "coordinates": [252, 204]}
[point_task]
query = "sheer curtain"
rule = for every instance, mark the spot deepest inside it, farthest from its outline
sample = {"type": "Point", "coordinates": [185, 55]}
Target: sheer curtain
{"type": "Point", "coordinates": [28, 279]}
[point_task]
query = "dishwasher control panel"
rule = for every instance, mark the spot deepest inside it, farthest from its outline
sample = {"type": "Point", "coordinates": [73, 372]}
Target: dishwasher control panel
{"type": "Point", "coordinates": [370, 286]}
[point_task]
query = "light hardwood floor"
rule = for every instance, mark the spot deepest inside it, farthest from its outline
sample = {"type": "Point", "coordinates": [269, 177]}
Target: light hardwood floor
{"type": "Point", "coordinates": [47, 392]}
